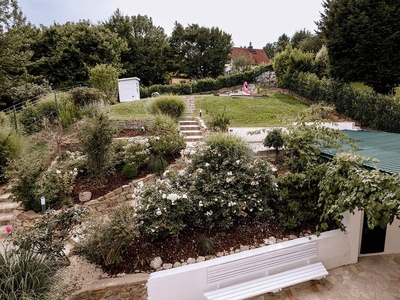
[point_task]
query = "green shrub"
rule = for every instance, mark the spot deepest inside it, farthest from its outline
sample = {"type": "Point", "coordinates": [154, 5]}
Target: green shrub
{"type": "Point", "coordinates": [230, 147]}
{"type": "Point", "coordinates": [219, 121]}
{"type": "Point", "coordinates": [131, 152]}
{"type": "Point", "coordinates": [205, 246]}
{"type": "Point", "coordinates": [105, 78]}
{"type": "Point", "coordinates": [25, 274]}
{"type": "Point", "coordinates": [31, 118]}
{"type": "Point", "coordinates": [96, 137]}
{"type": "Point", "coordinates": [215, 189]}
{"type": "Point", "coordinates": [105, 238]}
{"type": "Point", "coordinates": [11, 146]}
{"type": "Point", "coordinates": [168, 142]}
{"type": "Point", "coordinates": [50, 236]}
{"type": "Point", "coordinates": [82, 96]}
{"type": "Point", "coordinates": [48, 109]}
{"type": "Point", "coordinates": [164, 210]}
{"type": "Point", "coordinates": [157, 164]}
{"type": "Point", "coordinates": [130, 171]}
{"type": "Point", "coordinates": [299, 193]}
{"type": "Point", "coordinates": [172, 106]}
{"type": "Point", "coordinates": [26, 172]}
{"type": "Point", "coordinates": [274, 139]}
{"type": "Point", "coordinates": [28, 91]}
{"type": "Point", "coordinates": [68, 113]}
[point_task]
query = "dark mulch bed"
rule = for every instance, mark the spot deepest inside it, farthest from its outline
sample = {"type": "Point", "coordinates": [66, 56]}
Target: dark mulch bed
{"type": "Point", "coordinates": [247, 232]}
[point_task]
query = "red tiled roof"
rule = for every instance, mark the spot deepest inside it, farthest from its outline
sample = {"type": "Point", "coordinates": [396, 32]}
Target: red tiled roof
{"type": "Point", "coordinates": [258, 55]}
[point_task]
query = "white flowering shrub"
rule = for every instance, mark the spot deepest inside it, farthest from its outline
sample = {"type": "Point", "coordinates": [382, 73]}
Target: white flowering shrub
{"type": "Point", "coordinates": [220, 185]}
{"type": "Point", "coordinates": [131, 152]}
{"type": "Point", "coordinates": [56, 184]}
{"type": "Point", "coordinates": [163, 209]}
{"type": "Point", "coordinates": [225, 190]}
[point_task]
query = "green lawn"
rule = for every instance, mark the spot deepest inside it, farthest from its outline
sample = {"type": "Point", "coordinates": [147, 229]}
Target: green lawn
{"type": "Point", "coordinates": [131, 111]}
{"type": "Point", "coordinates": [276, 110]}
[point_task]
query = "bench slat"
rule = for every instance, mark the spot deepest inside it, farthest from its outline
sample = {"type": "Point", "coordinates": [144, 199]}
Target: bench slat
{"type": "Point", "coordinates": [269, 283]}
{"type": "Point", "coordinates": [261, 263]}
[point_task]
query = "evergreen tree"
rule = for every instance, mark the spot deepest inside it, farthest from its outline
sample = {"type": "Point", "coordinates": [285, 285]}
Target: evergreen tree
{"type": "Point", "coordinates": [363, 41]}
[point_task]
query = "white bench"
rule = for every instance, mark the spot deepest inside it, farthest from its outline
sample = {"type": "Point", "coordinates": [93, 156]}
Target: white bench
{"type": "Point", "coordinates": [268, 272]}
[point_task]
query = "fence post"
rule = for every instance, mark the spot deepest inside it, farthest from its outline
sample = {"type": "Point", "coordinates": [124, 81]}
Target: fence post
{"type": "Point", "coordinates": [15, 119]}
{"type": "Point", "coordinates": [55, 99]}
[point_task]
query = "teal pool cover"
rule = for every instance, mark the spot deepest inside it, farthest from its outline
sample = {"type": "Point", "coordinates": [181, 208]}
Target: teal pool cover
{"type": "Point", "coordinates": [383, 146]}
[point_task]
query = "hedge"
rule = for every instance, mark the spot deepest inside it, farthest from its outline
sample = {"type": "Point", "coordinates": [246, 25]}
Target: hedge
{"type": "Point", "coordinates": [373, 110]}
{"type": "Point", "coordinates": [207, 84]}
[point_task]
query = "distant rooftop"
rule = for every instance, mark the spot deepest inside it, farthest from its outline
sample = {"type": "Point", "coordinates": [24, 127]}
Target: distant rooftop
{"type": "Point", "coordinates": [383, 146]}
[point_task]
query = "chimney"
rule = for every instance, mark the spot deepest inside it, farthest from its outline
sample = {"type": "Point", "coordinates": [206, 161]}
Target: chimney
{"type": "Point", "coordinates": [250, 48]}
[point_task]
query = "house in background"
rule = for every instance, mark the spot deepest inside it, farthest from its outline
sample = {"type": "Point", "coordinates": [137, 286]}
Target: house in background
{"type": "Point", "coordinates": [128, 89]}
{"type": "Point", "coordinates": [257, 55]}
{"type": "Point", "coordinates": [176, 80]}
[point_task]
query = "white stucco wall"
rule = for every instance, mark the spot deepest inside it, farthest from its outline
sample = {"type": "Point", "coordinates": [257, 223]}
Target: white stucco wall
{"type": "Point", "coordinates": [190, 282]}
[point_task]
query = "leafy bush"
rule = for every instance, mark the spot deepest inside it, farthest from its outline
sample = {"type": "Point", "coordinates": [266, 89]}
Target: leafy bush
{"type": "Point", "coordinates": [105, 238]}
{"type": "Point", "coordinates": [163, 210]}
{"type": "Point", "coordinates": [28, 91]}
{"type": "Point", "coordinates": [166, 145]}
{"type": "Point", "coordinates": [82, 96]}
{"type": "Point", "coordinates": [130, 171]}
{"type": "Point", "coordinates": [289, 62]}
{"type": "Point", "coordinates": [172, 106]}
{"type": "Point", "coordinates": [96, 136]}
{"type": "Point", "coordinates": [26, 172]}
{"type": "Point", "coordinates": [274, 139]}
{"type": "Point", "coordinates": [105, 78]}
{"type": "Point", "coordinates": [298, 199]}
{"type": "Point", "coordinates": [131, 152]}
{"type": "Point", "coordinates": [31, 119]}
{"type": "Point", "coordinates": [50, 236]}
{"type": "Point", "coordinates": [68, 112]}
{"type": "Point", "coordinates": [222, 183]}
{"type": "Point", "coordinates": [48, 109]}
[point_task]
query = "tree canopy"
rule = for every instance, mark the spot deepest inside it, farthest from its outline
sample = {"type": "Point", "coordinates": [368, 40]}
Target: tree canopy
{"type": "Point", "coordinates": [363, 40]}
{"type": "Point", "coordinates": [200, 52]}
{"type": "Point", "coordinates": [147, 45]}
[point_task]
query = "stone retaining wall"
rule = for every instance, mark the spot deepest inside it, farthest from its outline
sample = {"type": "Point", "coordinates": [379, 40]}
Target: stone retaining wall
{"type": "Point", "coordinates": [125, 288]}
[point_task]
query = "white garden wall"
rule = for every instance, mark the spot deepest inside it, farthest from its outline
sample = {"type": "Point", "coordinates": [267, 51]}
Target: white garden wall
{"type": "Point", "coordinates": [190, 282]}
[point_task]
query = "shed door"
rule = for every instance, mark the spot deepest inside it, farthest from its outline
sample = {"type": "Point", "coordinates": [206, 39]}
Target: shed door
{"type": "Point", "coordinates": [373, 240]}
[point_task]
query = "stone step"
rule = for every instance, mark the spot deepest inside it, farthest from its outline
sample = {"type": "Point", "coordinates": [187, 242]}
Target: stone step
{"type": "Point", "coordinates": [6, 219]}
{"type": "Point", "coordinates": [9, 207]}
{"type": "Point", "coordinates": [190, 132]}
{"type": "Point", "coordinates": [187, 123]}
{"type": "Point", "coordinates": [189, 127]}
{"type": "Point", "coordinates": [193, 138]}
{"type": "Point", "coordinates": [4, 197]}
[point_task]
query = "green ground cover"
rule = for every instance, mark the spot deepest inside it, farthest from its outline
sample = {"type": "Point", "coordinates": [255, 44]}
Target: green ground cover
{"type": "Point", "coordinates": [276, 110]}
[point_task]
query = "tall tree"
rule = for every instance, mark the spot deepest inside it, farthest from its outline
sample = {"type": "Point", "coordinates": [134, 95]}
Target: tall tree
{"type": "Point", "coordinates": [200, 52]}
{"type": "Point", "coordinates": [299, 36]}
{"type": "Point", "coordinates": [282, 42]}
{"type": "Point", "coordinates": [270, 49]}
{"type": "Point", "coordinates": [64, 54]}
{"type": "Point", "coordinates": [363, 39]}
{"type": "Point", "coordinates": [147, 47]}
{"type": "Point", "coordinates": [14, 48]}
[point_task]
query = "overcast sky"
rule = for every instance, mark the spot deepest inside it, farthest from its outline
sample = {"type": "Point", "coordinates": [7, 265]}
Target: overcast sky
{"type": "Point", "coordinates": [256, 21]}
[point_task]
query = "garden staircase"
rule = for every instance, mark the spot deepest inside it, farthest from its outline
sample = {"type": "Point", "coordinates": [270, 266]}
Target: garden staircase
{"type": "Point", "coordinates": [190, 128]}
{"type": "Point", "coordinates": [8, 212]}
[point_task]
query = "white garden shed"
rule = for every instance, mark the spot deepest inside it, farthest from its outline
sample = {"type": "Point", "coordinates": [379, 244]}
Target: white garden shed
{"type": "Point", "coordinates": [128, 89]}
